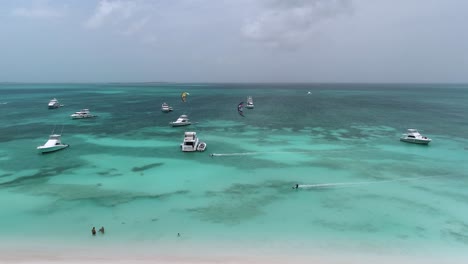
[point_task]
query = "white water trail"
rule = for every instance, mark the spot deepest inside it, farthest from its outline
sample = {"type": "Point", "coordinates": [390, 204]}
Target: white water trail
{"type": "Point", "coordinates": [350, 184]}
{"type": "Point", "coordinates": [234, 154]}
{"type": "Point", "coordinates": [256, 153]}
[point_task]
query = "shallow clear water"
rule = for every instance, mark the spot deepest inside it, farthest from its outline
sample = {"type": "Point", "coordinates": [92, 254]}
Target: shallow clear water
{"type": "Point", "coordinates": [125, 170]}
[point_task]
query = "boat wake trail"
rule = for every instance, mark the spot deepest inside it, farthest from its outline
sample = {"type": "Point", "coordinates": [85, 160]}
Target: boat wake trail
{"type": "Point", "coordinates": [234, 154]}
{"type": "Point", "coordinates": [255, 153]}
{"type": "Point", "coordinates": [352, 184]}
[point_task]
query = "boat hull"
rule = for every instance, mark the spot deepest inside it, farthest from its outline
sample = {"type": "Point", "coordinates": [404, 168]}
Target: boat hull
{"type": "Point", "coordinates": [166, 109]}
{"type": "Point", "coordinates": [179, 124]}
{"type": "Point", "coordinates": [416, 141]}
{"type": "Point", "coordinates": [82, 117]}
{"type": "Point", "coordinates": [51, 149]}
{"type": "Point", "coordinates": [186, 148]}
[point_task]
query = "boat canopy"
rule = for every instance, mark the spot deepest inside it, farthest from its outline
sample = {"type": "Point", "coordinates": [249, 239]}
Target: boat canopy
{"type": "Point", "coordinates": [190, 134]}
{"type": "Point", "coordinates": [54, 136]}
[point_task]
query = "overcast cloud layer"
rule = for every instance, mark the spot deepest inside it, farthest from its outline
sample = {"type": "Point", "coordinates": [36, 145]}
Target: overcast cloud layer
{"type": "Point", "coordinates": [234, 41]}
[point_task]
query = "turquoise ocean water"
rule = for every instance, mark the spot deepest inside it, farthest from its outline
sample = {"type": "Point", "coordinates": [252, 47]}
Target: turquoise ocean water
{"type": "Point", "coordinates": [125, 171]}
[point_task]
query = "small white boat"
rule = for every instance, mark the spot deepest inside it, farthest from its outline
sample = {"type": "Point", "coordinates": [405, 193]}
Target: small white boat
{"type": "Point", "coordinates": [192, 143]}
{"type": "Point", "coordinates": [53, 144]}
{"type": "Point", "coordinates": [84, 113]}
{"type": "Point", "coordinates": [181, 121]}
{"type": "Point", "coordinates": [250, 104]}
{"type": "Point", "coordinates": [166, 108]}
{"type": "Point", "coordinates": [201, 146]}
{"type": "Point", "coordinates": [53, 104]}
{"type": "Point", "coordinates": [413, 136]}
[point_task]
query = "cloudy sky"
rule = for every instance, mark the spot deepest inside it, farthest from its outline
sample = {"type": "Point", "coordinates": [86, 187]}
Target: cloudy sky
{"type": "Point", "coordinates": [234, 40]}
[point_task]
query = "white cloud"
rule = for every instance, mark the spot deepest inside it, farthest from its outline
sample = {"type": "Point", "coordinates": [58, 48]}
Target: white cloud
{"type": "Point", "coordinates": [136, 26]}
{"type": "Point", "coordinates": [38, 12]}
{"type": "Point", "coordinates": [125, 18]}
{"type": "Point", "coordinates": [111, 12]}
{"type": "Point", "coordinates": [288, 23]}
{"type": "Point", "coordinates": [150, 39]}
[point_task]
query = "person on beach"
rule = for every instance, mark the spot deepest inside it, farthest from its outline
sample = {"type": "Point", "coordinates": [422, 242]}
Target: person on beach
{"type": "Point", "coordinates": [101, 230]}
{"type": "Point", "coordinates": [93, 231]}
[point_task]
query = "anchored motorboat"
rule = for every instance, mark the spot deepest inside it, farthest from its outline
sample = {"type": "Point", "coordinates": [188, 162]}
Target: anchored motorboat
{"type": "Point", "coordinates": [84, 113]}
{"type": "Point", "coordinates": [250, 104]}
{"type": "Point", "coordinates": [413, 136]}
{"type": "Point", "coordinates": [181, 121]}
{"type": "Point", "coordinates": [53, 104]}
{"type": "Point", "coordinates": [166, 108]}
{"type": "Point", "coordinates": [53, 144]}
{"type": "Point", "coordinates": [192, 143]}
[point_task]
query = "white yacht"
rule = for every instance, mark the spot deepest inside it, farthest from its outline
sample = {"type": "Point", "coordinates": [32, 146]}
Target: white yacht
{"type": "Point", "coordinates": [53, 144]}
{"type": "Point", "coordinates": [84, 113]}
{"type": "Point", "coordinates": [192, 143]}
{"type": "Point", "coordinates": [250, 104]}
{"type": "Point", "coordinates": [181, 121]}
{"type": "Point", "coordinates": [166, 108]}
{"type": "Point", "coordinates": [53, 104]}
{"type": "Point", "coordinates": [413, 136]}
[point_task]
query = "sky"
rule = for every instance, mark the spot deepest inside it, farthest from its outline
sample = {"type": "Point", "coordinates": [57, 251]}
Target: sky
{"type": "Point", "coordinates": [398, 41]}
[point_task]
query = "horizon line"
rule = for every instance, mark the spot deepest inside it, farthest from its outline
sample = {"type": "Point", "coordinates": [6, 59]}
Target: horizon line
{"type": "Point", "coordinates": [232, 82]}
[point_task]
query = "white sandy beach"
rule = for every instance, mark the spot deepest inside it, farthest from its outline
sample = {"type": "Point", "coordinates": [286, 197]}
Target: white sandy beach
{"type": "Point", "coordinates": [191, 253]}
